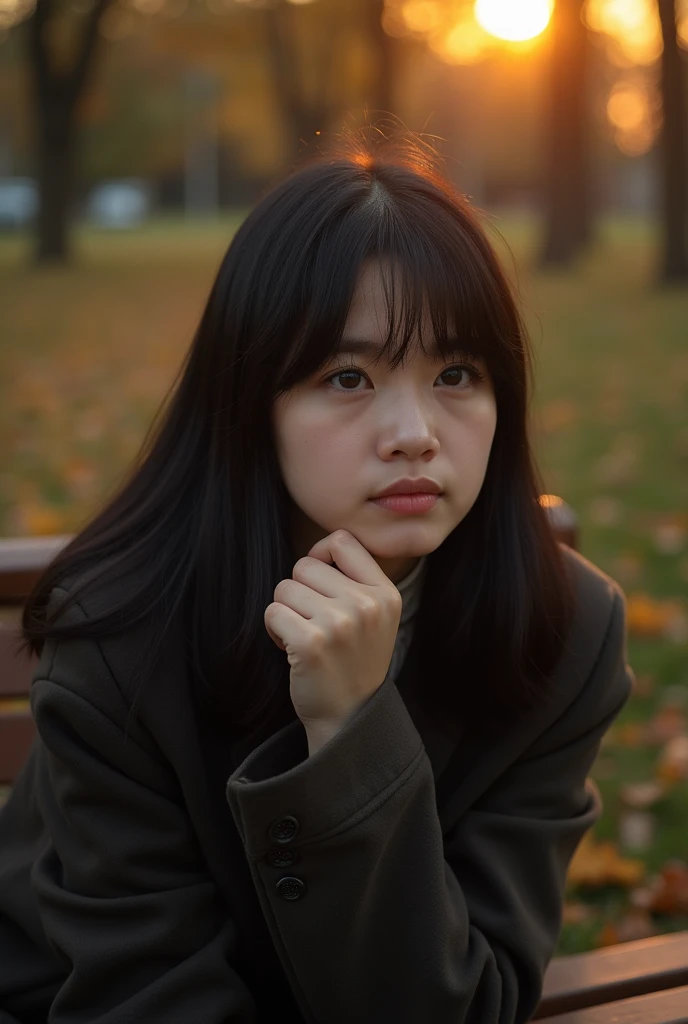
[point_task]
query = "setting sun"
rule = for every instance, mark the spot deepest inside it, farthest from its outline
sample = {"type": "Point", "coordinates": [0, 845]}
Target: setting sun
{"type": "Point", "coordinates": [515, 20]}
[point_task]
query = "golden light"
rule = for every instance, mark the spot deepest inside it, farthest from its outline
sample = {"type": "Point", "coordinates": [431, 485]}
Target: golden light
{"type": "Point", "coordinates": [14, 11]}
{"type": "Point", "coordinates": [514, 20]}
{"type": "Point", "coordinates": [630, 110]}
{"type": "Point", "coordinates": [627, 107]}
{"type": "Point", "coordinates": [466, 43]}
{"type": "Point", "coordinates": [682, 22]}
{"type": "Point", "coordinates": [421, 15]}
{"type": "Point", "coordinates": [632, 24]}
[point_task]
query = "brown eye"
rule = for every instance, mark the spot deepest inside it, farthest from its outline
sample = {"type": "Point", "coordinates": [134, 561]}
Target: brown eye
{"type": "Point", "coordinates": [454, 375]}
{"type": "Point", "coordinates": [348, 377]}
{"type": "Point", "coordinates": [473, 372]}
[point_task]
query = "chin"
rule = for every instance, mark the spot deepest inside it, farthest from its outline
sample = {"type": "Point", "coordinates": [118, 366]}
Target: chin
{"type": "Point", "coordinates": [409, 547]}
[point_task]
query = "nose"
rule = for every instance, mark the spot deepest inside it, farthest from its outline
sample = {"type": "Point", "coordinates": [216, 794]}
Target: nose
{"type": "Point", "coordinates": [407, 429]}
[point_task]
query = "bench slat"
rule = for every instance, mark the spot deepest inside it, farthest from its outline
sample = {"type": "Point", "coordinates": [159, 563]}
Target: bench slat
{"type": "Point", "coordinates": [615, 972]}
{"type": "Point", "coordinates": [17, 728]}
{"type": "Point", "coordinates": [15, 671]}
{"type": "Point", "coordinates": [22, 560]}
{"type": "Point", "coordinates": [669, 1007]}
{"type": "Point", "coordinates": [16, 735]}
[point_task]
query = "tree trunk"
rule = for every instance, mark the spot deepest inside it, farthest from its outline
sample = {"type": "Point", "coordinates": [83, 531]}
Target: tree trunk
{"type": "Point", "coordinates": [380, 99]}
{"type": "Point", "coordinates": [674, 152]}
{"type": "Point", "coordinates": [303, 117]}
{"type": "Point", "coordinates": [567, 176]}
{"type": "Point", "coordinates": [55, 159]}
{"type": "Point", "coordinates": [56, 94]}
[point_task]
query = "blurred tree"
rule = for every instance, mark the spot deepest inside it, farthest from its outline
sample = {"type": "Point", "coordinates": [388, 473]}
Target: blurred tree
{"type": "Point", "coordinates": [132, 120]}
{"type": "Point", "coordinates": [61, 49]}
{"type": "Point", "coordinates": [567, 188]}
{"type": "Point", "coordinates": [383, 46]}
{"type": "Point", "coordinates": [325, 58]}
{"type": "Point", "coordinates": [304, 90]}
{"type": "Point", "coordinates": [674, 150]}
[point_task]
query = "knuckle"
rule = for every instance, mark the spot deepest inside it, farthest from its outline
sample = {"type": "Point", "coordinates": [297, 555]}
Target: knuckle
{"type": "Point", "coordinates": [317, 642]}
{"type": "Point", "coordinates": [340, 625]}
{"type": "Point", "coordinates": [368, 608]}
{"type": "Point", "coordinates": [302, 564]}
{"type": "Point", "coordinates": [284, 588]}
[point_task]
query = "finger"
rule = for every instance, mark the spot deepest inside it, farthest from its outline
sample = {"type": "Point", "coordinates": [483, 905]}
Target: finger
{"type": "Point", "coordinates": [350, 556]}
{"type": "Point", "coordinates": [300, 596]}
{"type": "Point", "coordinates": [325, 580]}
{"type": "Point", "coordinates": [285, 626]}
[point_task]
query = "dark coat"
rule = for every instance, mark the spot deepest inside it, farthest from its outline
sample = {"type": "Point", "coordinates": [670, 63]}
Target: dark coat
{"type": "Point", "coordinates": [405, 873]}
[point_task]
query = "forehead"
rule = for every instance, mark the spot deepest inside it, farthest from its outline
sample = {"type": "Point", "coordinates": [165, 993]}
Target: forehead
{"type": "Point", "coordinates": [378, 297]}
{"type": "Point", "coordinates": [369, 310]}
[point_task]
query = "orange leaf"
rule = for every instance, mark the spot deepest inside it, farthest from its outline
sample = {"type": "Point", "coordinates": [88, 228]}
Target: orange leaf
{"type": "Point", "coordinates": [635, 924]}
{"type": "Point", "coordinates": [669, 721]}
{"type": "Point", "coordinates": [597, 864]}
{"type": "Point", "coordinates": [671, 893]}
{"type": "Point", "coordinates": [609, 936]}
{"type": "Point", "coordinates": [629, 734]}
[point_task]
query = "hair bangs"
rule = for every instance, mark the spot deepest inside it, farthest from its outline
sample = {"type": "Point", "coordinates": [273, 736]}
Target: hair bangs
{"type": "Point", "coordinates": [438, 291]}
{"type": "Point", "coordinates": [435, 298]}
{"type": "Point", "coordinates": [330, 275]}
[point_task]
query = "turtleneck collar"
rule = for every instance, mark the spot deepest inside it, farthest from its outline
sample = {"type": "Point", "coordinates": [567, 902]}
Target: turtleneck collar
{"type": "Point", "coordinates": [409, 588]}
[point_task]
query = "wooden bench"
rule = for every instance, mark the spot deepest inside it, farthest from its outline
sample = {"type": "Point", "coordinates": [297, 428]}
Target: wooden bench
{"type": "Point", "coordinates": [643, 982]}
{"type": "Point", "coordinates": [622, 972]}
{"type": "Point", "coordinates": [670, 1007]}
{"type": "Point", "coordinates": [16, 725]}
{"type": "Point", "coordinates": [21, 562]}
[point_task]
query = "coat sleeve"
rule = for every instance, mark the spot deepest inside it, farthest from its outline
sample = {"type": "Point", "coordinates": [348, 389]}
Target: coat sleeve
{"type": "Point", "coordinates": [381, 916]}
{"type": "Point", "coordinates": [124, 898]}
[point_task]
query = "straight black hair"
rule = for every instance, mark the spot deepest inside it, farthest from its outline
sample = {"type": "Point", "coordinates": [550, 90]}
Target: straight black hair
{"type": "Point", "coordinates": [199, 522]}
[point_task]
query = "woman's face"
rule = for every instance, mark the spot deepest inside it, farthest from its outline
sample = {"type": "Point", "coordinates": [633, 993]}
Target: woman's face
{"type": "Point", "coordinates": [342, 440]}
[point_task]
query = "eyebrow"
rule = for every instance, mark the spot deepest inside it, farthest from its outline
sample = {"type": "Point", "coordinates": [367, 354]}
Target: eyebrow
{"type": "Point", "coordinates": [365, 347]}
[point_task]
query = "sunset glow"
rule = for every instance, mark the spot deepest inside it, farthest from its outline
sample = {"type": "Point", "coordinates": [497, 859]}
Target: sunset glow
{"type": "Point", "coordinates": [632, 24]}
{"type": "Point", "coordinates": [634, 119]}
{"type": "Point", "coordinates": [515, 20]}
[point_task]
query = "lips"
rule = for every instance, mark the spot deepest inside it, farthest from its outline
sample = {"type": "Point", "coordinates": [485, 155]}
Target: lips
{"type": "Point", "coordinates": [409, 485]}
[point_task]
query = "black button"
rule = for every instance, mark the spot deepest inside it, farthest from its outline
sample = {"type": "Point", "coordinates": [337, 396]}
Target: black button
{"type": "Point", "coordinates": [291, 888]}
{"type": "Point", "coordinates": [281, 858]}
{"type": "Point", "coordinates": [283, 830]}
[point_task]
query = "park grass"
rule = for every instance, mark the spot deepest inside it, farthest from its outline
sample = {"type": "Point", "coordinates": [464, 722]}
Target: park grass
{"type": "Point", "coordinates": [88, 353]}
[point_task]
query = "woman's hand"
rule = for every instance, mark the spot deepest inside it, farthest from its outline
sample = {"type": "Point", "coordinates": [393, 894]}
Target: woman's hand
{"type": "Point", "coordinates": [338, 626]}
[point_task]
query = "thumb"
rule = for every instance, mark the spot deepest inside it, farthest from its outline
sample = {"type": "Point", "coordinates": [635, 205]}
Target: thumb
{"type": "Point", "coordinates": [274, 637]}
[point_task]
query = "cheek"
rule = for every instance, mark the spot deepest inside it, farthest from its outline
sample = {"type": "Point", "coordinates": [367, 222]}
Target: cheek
{"type": "Point", "coordinates": [473, 442]}
{"type": "Point", "coordinates": [317, 462]}
{"type": "Point", "coordinates": [483, 424]}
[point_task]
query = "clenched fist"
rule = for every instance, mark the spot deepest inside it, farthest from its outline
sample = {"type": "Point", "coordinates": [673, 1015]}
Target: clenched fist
{"type": "Point", "coordinates": [338, 626]}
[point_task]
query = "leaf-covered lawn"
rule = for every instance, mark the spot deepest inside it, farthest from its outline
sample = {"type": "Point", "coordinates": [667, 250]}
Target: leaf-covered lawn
{"type": "Point", "coordinates": [87, 355]}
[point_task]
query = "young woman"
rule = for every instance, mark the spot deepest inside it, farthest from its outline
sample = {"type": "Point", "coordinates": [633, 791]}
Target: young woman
{"type": "Point", "coordinates": [318, 690]}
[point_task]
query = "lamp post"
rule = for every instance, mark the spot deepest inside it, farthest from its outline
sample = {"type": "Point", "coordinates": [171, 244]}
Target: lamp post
{"type": "Point", "coordinates": [201, 163]}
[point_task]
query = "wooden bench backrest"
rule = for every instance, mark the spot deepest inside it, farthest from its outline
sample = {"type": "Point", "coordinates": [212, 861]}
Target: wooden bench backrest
{"type": "Point", "coordinates": [614, 973]}
{"type": "Point", "coordinates": [670, 1007]}
{"type": "Point", "coordinates": [22, 560]}
{"type": "Point", "coordinates": [16, 725]}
